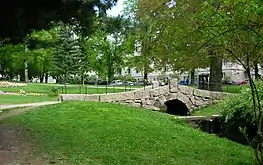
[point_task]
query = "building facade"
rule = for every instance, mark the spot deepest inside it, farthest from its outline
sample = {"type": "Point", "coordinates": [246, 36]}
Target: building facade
{"type": "Point", "coordinates": [232, 72]}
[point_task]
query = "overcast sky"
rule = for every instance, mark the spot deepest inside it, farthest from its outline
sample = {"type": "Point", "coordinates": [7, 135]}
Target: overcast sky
{"type": "Point", "coordinates": [116, 10]}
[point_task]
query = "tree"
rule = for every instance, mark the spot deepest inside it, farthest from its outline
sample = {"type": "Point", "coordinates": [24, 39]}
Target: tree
{"type": "Point", "coordinates": [104, 55]}
{"type": "Point", "coordinates": [40, 51]}
{"type": "Point", "coordinates": [23, 16]}
{"type": "Point", "coordinates": [234, 29]}
{"type": "Point", "coordinates": [67, 54]}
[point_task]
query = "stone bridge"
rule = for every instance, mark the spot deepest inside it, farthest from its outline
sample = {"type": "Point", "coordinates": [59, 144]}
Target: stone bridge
{"type": "Point", "coordinates": [177, 96]}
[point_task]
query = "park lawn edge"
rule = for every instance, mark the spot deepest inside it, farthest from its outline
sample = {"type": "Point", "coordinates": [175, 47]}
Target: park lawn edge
{"type": "Point", "coordinates": [54, 136]}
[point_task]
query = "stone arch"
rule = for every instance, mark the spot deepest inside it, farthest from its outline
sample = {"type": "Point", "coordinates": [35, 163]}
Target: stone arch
{"type": "Point", "coordinates": [176, 107]}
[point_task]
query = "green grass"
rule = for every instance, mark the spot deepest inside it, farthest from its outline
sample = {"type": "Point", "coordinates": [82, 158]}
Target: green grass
{"type": "Point", "coordinates": [232, 88]}
{"type": "Point", "coordinates": [108, 134]}
{"type": "Point", "coordinates": [228, 88]}
{"type": "Point", "coordinates": [71, 89]}
{"type": "Point", "coordinates": [207, 111]}
{"type": "Point", "coordinates": [13, 99]}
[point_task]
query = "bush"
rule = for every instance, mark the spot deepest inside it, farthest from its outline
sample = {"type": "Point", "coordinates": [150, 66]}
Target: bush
{"type": "Point", "coordinates": [129, 78]}
{"type": "Point", "coordinates": [53, 92]}
{"type": "Point", "coordinates": [92, 79]}
{"type": "Point", "coordinates": [238, 116]}
{"type": "Point", "coordinates": [74, 80]}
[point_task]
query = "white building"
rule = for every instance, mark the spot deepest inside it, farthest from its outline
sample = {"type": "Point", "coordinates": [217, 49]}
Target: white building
{"type": "Point", "coordinates": [231, 72]}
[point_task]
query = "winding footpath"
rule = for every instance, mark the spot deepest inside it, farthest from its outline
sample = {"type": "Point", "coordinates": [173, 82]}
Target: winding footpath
{"type": "Point", "coordinates": [21, 108]}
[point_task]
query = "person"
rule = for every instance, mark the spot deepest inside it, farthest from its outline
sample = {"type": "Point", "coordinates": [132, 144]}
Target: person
{"type": "Point", "coordinates": [187, 81]}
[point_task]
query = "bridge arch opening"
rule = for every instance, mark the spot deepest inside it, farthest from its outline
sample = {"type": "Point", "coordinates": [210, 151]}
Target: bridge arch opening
{"type": "Point", "coordinates": [176, 107]}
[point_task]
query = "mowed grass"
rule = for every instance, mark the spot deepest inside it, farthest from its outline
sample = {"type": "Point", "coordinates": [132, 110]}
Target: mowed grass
{"type": "Point", "coordinates": [14, 99]}
{"type": "Point", "coordinates": [71, 89]}
{"type": "Point", "coordinates": [232, 88]}
{"type": "Point", "coordinates": [207, 111]}
{"type": "Point", "coordinates": [108, 134]}
{"type": "Point", "coordinates": [228, 88]}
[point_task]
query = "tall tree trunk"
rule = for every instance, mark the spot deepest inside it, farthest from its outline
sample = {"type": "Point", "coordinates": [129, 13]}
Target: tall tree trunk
{"type": "Point", "coordinates": [192, 76]}
{"type": "Point", "coordinates": [26, 71]}
{"type": "Point", "coordinates": [82, 78]}
{"type": "Point", "coordinates": [110, 74]}
{"type": "Point", "coordinates": [46, 77]}
{"type": "Point", "coordinates": [26, 65]}
{"type": "Point", "coordinates": [256, 70]}
{"type": "Point", "coordinates": [216, 75]}
{"type": "Point", "coordinates": [41, 77]}
{"type": "Point", "coordinates": [145, 76]}
{"type": "Point", "coordinates": [65, 82]}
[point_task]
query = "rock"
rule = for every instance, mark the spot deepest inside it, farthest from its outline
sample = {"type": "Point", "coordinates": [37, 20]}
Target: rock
{"type": "Point", "coordinates": [155, 84]}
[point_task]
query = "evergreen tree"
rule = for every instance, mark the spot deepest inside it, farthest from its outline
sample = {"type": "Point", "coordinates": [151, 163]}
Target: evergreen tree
{"type": "Point", "coordinates": [68, 57]}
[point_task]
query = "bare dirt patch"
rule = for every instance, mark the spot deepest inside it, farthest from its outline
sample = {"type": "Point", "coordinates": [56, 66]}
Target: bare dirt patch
{"type": "Point", "coordinates": [14, 150]}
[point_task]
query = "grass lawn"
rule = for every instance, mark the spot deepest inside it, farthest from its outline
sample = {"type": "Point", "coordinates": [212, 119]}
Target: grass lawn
{"type": "Point", "coordinates": [232, 88]}
{"type": "Point", "coordinates": [228, 88]}
{"type": "Point", "coordinates": [13, 99]}
{"type": "Point", "coordinates": [109, 134]}
{"type": "Point", "coordinates": [71, 89]}
{"type": "Point", "coordinates": [206, 111]}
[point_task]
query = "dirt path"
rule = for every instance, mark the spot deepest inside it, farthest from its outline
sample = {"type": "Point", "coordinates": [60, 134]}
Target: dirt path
{"type": "Point", "coordinates": [14, 149]}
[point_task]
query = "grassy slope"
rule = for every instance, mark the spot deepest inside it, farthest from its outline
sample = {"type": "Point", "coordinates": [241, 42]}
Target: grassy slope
{"type": "Point", "coordinates": [71, 89]}
{"type": "Point", "coordinates": [101, 133]}
{"type": "Point", "coordinates": [13, 99]}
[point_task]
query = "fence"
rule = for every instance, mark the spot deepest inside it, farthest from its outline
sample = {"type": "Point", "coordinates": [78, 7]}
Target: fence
{"type": "Point", "coordinates": [95, 89]}
{"type": "Point", "coordinates": [99, 89]}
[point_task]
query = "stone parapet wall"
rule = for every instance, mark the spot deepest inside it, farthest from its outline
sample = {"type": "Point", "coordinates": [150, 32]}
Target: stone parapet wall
{"type": "Point", "coordinates": [153, 98]}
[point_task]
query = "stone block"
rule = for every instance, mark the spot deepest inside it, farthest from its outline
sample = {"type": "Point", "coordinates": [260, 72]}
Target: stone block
{"type": "Point", "coordinates": [143, 101]}
{"type": "Point", "coordinates": [142, 94]}
{"type": "Point", "coordinates": [162, 99]}
{"type": "Point", "coordinates": [158, 103]}
{"type": "Point", "coordinates": [159, 91]}
{"type": "Point", "coordinates": [184, 98]}
{"type": "Point", "coordinates": [138, 101]}
{"type": "Point", "coordinates": [68, 97]}
{"type": "Point", "coordinates": [113, 97]}
{"type": "Point", "coordinates": [172, 96]}
{"type": "Point", "coordinates": [151, 107]}
{"type": "Point", "coordinates": [174, 89]}
{"type": "Point", "coordinates": [186, 90]}
{"type": "Point", "coordinates": [155, 84]}
{"type": "Point", "coordinates": [149, 102]}
{"type": "Point", "coordinates": [202, 93]}
{"type": "Point", "coordinates": [108, 98]}
{"type": "Point", "coordinates": [216, 95]}
{"type": "Point", "coordinates": [136, 104]}
{"type": "Point", "coordinates": [129, 101]}
{"type": "Point", "coordinates": [92, 97]}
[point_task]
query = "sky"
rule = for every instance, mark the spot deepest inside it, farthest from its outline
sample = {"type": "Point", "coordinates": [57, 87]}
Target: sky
{"type": "Point", "coordinates": [116, 10]}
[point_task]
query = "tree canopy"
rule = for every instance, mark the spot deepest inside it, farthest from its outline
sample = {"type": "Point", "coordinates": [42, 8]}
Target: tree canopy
{"type": "Point", "coordinates": [19, 17]}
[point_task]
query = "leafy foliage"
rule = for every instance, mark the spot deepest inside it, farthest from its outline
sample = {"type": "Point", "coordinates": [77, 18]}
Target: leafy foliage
{"type": "Point", "coordinates": [22, 17]}
{"type": "Point", "coordinates": [238, 116]}
{"type": "Point", "coordinates": [67, 57]}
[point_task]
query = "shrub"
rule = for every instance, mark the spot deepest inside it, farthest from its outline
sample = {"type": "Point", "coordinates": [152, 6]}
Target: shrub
{"type": "Point", "coordinates": [129, 78]}
{"type": "Point", "coordinates": [237, 115]}
{"type": "Point", "coordinates": [74, 80]}
{"type": "Point", "coordinates": [91, 79]}
{"type": "Point", "coordinates": [53, 92]}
